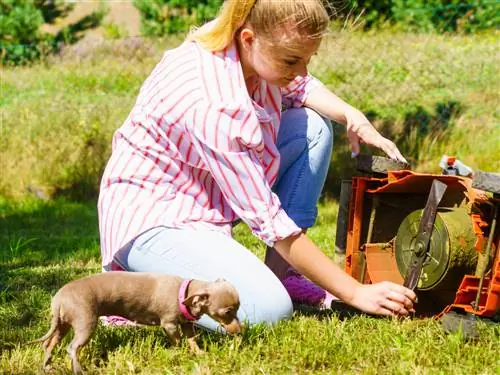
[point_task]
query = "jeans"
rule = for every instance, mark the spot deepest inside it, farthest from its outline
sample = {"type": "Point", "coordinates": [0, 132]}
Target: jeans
{"type": "Point", "coordinates": [305, 143]}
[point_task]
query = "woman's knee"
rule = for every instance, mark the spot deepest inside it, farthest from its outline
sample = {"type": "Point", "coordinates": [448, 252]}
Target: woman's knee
{"type": "Point", "coordinates": [317, 128]}
{"type": "Point", "coordinates": [268, 307]}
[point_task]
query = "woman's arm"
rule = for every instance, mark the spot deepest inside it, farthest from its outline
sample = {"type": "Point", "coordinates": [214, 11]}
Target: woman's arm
{"type": "Point", "coordinates": [384, 298]}
{"type": "Point", "coordinates": [358, 126]}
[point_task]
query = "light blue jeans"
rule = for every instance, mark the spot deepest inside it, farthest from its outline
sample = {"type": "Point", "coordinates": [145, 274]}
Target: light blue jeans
{"type": "Point", "coordinates": [305, 143]}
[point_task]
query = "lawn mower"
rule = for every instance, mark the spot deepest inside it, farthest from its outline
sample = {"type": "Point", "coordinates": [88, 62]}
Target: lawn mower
{"type": "Point", "coordinates": [434, 233]}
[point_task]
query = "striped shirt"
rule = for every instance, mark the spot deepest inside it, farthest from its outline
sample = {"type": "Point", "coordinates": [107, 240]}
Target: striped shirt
{"type": "Point", "coordinates": [197, 151]}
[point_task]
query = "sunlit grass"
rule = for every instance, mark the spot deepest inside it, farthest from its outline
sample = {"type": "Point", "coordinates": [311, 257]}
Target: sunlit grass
{"type": "Point", "coordinates": [432, 94]}
{"type": "Point", "coordinates": [46, 244]}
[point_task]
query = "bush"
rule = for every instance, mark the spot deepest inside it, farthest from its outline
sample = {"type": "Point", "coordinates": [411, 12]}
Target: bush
{"type": "Point", "coordinates": [446, 15]}
{"type": "Point", "coordinates": [423, 15]}
{"type": "Point", "coordinates": [162, 17]}
{"type": "Point", "coordinates": [21, 39]}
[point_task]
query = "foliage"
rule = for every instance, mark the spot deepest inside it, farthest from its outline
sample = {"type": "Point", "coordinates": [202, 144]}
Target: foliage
{"type": "Point", "coordinates": [22, 41]}
{"type": "Point", "coordinates": [162, 17]}
{"type": "Point", "coordinates": [423, 15]}
{"type": "Point", "coordinates": [448, 16]}
{"type": "Point", "coordinates": [20, 37]}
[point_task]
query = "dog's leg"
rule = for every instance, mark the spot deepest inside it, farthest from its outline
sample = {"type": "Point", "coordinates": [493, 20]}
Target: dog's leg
{"type": "Point", "coordinates": [188, 330]}
{"type": "Point", "coordinates": [83, 330]}
{"type": "Point", "coordinates": [172, 331]}
{"type": "Point", "coordinates": [61, 331]}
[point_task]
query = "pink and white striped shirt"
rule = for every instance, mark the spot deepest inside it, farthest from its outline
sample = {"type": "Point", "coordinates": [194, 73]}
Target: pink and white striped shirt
{"type": "Point", "coordinates": [197, 151]}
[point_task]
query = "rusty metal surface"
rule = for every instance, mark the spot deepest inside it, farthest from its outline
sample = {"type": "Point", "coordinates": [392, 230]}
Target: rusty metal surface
{"type": "Point", "coordinates": [451, 247]}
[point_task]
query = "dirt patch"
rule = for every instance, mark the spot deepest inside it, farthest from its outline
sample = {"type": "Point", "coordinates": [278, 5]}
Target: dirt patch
{"type": "Point", "coordinates": [123, 14]}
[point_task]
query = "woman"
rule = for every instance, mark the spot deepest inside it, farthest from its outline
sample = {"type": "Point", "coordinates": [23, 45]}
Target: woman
{"type": "Point", "coordinates": [207, 144]}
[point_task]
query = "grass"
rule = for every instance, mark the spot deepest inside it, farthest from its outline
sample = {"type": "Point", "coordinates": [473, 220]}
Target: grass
{"type": "Point", "coordinates": [44, 244]}
{"type": "Point", "coordinates": [432, 94]}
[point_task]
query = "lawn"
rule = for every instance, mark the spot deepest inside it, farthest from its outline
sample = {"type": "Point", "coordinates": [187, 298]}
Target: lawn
{"type": "Point", "coordinates": [46, 244]}
{"type": "Point", "coordinates": [432, 94]}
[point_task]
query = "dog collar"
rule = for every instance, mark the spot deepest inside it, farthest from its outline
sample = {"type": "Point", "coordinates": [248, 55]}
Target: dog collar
{"type": "Point", "coordinates": [182, 298]}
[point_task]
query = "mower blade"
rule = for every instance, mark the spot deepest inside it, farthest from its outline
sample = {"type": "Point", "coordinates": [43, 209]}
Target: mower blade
{"type": "Point", "coordinates": [414, 271]}
{"type": "Point", "coordinates": [438, 189]}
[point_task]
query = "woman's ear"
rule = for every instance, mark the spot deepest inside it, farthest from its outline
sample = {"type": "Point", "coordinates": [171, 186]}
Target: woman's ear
{"type": "Point", "coordinates": [246, 37]}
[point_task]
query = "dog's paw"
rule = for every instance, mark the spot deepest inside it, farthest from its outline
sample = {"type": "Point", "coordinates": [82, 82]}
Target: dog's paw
{"type": "Point", "coordinates": [194, 348]}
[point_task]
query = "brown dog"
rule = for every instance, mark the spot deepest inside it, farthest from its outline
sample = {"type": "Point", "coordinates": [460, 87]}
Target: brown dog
{"type": "Point", "coordinates": [145, 298]}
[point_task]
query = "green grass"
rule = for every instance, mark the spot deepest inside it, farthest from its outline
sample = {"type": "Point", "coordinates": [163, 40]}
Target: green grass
{"type": "Point", "coordinates": [432, 94]}
{"type": "Point", "coordinates": [43, 245]}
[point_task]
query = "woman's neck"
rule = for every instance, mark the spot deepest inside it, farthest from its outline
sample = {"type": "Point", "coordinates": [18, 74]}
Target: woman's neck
{"type": "Point", "coordinates": [249, 74]}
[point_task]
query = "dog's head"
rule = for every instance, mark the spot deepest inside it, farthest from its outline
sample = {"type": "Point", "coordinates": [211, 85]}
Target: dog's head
{"type": "Point", "coordinates": [220, 300]}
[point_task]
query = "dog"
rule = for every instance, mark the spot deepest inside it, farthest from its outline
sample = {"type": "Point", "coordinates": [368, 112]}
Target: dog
{"type": "Point", "coordinates": [145, 298]}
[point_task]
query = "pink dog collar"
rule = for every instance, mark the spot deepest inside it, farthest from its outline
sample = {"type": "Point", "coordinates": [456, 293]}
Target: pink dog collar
{"type": "Point", "coordinates": [182, 298]}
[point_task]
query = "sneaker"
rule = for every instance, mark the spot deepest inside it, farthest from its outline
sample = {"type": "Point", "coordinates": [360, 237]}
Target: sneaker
{"type": "Point", "coordinates": [305, 292]}
{"type": "Point", "coordinates": [117, 321]}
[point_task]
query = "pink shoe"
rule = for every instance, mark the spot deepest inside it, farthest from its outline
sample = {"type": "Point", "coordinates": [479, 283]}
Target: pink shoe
{"type": "Point", "coordinates": [304, 291]}
{"type": "Point", "coordinates": [117, 321]}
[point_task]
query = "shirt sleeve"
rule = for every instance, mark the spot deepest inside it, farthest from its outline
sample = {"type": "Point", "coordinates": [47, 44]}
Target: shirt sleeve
{"type": "Point", "coordinates": [295, 94]}
{"type": "Point", "coordinates": [228, 139]}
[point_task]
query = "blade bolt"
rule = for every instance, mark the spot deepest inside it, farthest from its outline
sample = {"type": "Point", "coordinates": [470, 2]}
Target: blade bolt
{"type": "Point", "coordinates": [419, 249]}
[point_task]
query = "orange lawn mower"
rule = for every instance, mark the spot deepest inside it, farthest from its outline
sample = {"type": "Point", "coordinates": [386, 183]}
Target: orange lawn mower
{"type": "Point", "coordinates": [434, 233]}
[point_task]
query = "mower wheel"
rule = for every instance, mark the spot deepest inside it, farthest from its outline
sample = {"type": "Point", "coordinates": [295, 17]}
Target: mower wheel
{"type": "Point", "coordinates": [379, 164]}
{"type": "Point", "coordinates": [486, 181]}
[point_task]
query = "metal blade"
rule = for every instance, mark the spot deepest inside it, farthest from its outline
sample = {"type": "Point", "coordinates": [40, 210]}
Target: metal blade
{"type": "Point", "coordinates": [414, 271]}
{"type": "Point", "coordinates": [438, 189]}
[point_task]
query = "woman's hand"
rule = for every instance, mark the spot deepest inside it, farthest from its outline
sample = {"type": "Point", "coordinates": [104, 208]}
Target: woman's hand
{"type": "Point", "coordinates": [385, 298]}
{"type": "Point", "coordinates": [360, 129]}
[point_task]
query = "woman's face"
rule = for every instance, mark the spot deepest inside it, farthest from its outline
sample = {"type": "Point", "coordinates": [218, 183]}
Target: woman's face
{"type": "Point", "coordinates": [278, 63]}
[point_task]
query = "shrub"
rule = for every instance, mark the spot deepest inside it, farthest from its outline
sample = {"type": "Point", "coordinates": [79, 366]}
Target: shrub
{"type": "Point", "coordinates": [21, 39]}
{"type": "Point", "coordinates": [423, 15]}
{"type": "Point", "coordinates": [446, 15]}
{"type": "Point", "coordinates": [162, 17]}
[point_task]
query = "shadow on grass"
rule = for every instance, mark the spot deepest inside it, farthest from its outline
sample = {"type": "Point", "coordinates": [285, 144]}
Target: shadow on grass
{"type": "Point", "coordinates": [43, 245]}
{"type": "Point", "coordinates": [75, 31]}
{"type": "Point", "coordinates": [339, 310]}
{"type": "Point", "coordinates": [38, 233]}
{"type": "Point", "coordinates": [419, 128]}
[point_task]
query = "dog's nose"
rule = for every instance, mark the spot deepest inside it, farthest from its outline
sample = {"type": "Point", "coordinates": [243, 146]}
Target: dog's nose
{"type": "Point", "coordinates": [234, 327]}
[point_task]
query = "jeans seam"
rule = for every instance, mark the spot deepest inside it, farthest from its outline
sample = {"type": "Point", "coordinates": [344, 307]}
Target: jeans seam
{"type": "Point", "coordinates": [295, 186]}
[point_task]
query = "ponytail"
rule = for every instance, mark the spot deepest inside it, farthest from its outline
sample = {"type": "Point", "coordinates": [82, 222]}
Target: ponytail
{"type": "Point", "coordinates": [308, 17]}
{"type": "Point", "coordinates": [231, 17]}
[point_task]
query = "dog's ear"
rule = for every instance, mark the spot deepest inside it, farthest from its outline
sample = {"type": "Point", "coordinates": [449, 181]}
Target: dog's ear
{"type": "Point", "coordinates": [197, 302]}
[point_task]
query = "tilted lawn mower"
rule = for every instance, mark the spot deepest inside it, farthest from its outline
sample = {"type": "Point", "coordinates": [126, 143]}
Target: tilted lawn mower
{"type": "Point", "coordinates": [435, 233]}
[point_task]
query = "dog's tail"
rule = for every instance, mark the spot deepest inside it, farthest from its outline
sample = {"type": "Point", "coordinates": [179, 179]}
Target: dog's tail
{"type": "Point", "coordinates": [54, 323]}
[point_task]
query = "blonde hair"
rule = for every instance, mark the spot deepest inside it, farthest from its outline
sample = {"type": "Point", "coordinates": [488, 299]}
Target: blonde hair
{"type": "Point", "coordinates": [308, 17]}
